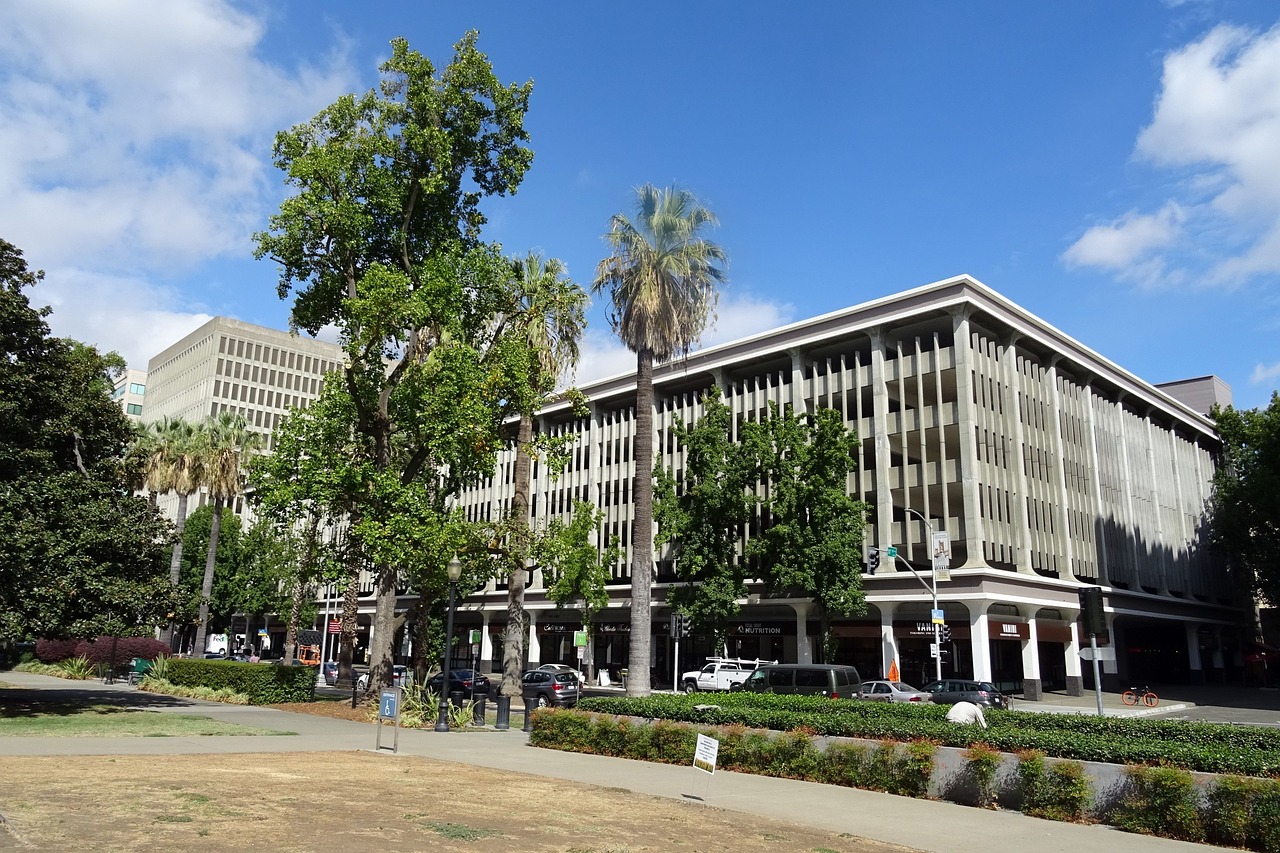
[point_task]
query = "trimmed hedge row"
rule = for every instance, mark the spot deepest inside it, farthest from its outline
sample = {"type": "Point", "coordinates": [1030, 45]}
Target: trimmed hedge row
{"type": "Point", "coordinates": [263, 683]}
{"type": "Point", "coordinates": [1205, 747]}
{"type": "Point", "coordinates": [1164, 801]}
{"type": "Point", "coordinates": [100, 649]}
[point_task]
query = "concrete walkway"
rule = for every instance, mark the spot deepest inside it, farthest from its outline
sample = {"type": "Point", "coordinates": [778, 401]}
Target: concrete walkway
{"type": "Point", "coordinates": [921, 824]}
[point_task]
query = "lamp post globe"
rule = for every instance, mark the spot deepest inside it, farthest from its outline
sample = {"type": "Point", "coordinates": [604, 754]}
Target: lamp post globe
{"type": "Point", "coordinates": [442, 717]}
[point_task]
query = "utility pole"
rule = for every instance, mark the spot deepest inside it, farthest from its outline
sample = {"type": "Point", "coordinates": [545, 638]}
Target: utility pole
{"type": "Point", "coordinates": [940, 555]}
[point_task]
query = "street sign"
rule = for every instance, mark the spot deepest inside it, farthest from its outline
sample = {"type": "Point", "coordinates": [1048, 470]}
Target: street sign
{"type": "Point", "coordinates": [938, 617]}
{"type": "Point", "coordinates": [891, 552]}
{"type": "Point", "coordinates": [580, 639]}
{"type": "Point", "coordinates": [942, 574]}
{"type": "Point", "coordinates": [1104, 653]}
{"type": "Point", "coordinates": [475, 636]}
{"type": "Point", "coordinates": [933, 650]}
{"type": "Point", "coordinates": [335, 626]}
{"type": "Point", "coordinates": [389, 705]}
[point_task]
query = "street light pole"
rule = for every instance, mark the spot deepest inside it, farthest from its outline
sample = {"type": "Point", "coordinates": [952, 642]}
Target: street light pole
{"type": "Point", "coordinates": [442, 719]}
{"type": "Point", "coordinates": [933, 591]}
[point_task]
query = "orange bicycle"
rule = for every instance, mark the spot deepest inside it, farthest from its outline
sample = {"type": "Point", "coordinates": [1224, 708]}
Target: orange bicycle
{"type": "Point", "coordinates": [1145, 695]}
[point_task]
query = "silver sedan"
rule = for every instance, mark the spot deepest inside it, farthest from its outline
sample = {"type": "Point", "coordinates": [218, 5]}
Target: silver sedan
{"type": "Point", "coordinates": [893, 691]}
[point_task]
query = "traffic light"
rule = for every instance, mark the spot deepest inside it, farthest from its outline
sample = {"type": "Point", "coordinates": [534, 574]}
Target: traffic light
{"type": "Point", "coordinates": [873, 560]}
{"type": "Point", "coordinates": [1091, 612]}
{"type": "Point", "coordinates": [681, 625]}
{"type": "Point", "coordinates": [944, 633]}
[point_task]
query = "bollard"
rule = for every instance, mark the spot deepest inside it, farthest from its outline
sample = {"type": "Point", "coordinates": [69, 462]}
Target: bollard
{"type": "Point", "coordinates": [456, 698]}
{"type": "Point", "coordinates": [528, 716]}
{"type": "Point", "coordinates": [477, 709]}
{"type": "Point", "coordinates": [503, 721]}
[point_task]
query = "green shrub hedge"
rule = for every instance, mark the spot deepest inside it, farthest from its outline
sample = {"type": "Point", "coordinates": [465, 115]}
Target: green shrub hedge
{"type": "Point", "coordinates": [1205, 747]}
{"type": "Point", "coordinates": [263, 683]}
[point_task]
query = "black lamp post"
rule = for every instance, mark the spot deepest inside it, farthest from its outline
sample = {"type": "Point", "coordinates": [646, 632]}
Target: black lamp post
{"type": "Point", "coordinates": [455, 572]}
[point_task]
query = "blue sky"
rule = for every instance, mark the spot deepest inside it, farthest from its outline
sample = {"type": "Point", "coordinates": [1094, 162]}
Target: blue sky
{"type": "Point", "coordinates": [1112, 167]}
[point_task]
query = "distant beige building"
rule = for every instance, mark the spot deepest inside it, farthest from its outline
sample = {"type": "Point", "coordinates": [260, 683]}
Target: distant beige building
{"type": "Point", "coordinates": [230, 366]}
{"type": "Point", "coordinates": [130, 390]}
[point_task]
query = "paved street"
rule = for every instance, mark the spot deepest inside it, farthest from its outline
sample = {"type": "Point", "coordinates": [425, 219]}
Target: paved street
{"type": "Point", "coordinates": [922, 824]}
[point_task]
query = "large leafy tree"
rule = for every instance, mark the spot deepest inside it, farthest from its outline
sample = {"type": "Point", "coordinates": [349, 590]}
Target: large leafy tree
{"type": "Point", "coordinates": [548, 312]}
{"type": "Point", "coordinates": [662, 278]}
{"type": "Point", "coordinates": [702, 514]}
{"type": "Point", "coordinates": [381, 238]}
{"type": "Point", "coordinates": [1245, 521]}
{"type": "Point", "coordinates": [80, 555]}
{"type": "Point", "coordinates": [810, 544]}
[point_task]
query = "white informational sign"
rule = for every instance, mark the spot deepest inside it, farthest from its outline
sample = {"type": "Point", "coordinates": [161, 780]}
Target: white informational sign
{"type": "Point", "coordinates": [704, 754]}
{"type": "Point", "coordinates": [933, 650]}
{"type": "Point", "coordinates": [938, 617]}
{"type": "Point", "coordinates": [1104, 653]}
{"type": "Point", "coordinates": [941, 552]}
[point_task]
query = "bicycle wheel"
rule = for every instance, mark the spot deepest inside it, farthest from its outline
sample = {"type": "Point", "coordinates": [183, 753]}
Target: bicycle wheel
{"type": "Point", "coordinates": [1150, 699]}
{"type": "Point", "coordinates": [1129, 697]}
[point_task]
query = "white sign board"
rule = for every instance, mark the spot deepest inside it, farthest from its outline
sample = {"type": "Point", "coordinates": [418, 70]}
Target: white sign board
{"type": "Point", "coordinates": [1104, 653]}
{"type": "Point", "coordinates": [941, 551]}
{"type": "Point", "coordinates": [704, 754]}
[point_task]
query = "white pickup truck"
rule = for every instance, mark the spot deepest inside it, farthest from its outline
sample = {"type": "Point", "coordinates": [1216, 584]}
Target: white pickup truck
{"type": "Point", "coordinates": [720, 674]}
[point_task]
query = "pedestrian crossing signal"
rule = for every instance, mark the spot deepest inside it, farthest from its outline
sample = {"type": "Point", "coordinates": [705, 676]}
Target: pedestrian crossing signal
{"type": "Point", "coordinates": [873, 561]}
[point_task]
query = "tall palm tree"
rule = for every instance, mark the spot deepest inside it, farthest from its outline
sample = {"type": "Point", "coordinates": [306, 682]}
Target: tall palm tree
{"type": "Point", "coordinates": [225, 444]}
{"type": "Point", "coordinates": [175, 465]}
{"type": "Point", "coordinates": [549, 315]}
{"type": "Point", "coordinates": [662, 278]}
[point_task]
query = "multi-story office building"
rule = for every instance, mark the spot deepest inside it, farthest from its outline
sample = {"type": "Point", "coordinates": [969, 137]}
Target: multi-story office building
{"type": "Point", "coordinates": [130, 392]}
{"type": "Point", "coordinates": [1047, 467]}
{"type": "Point", "coordinates": [230, 366]}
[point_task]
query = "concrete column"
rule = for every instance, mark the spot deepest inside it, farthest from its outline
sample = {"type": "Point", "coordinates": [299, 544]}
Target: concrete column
{"type": "Point", "coordinates": [980, 641]}
{"type": "Point", "coordinates": [967, 463]}
{"type": "Point", "coordinates": [486, 642]}
{"type": "Point", "coordinates": [535, 649]}
{"type": "Point", "coordinates": [1013, 425]}
{"type": "Point", "coordinates": [880, 420]}
{"type": "Point", "coordinates": [798, 400]}
{"type": "Point", "coordinates": [888, 643]}
{"type": "Point", "coordinates": [1032, 689]}
{"type": "Point", "coordinates": [1063, 519]}
{"type": "Point", "coordinates": [1075, 681]}
{"type": "Point", "coordinates": [1099, 527]}
{"type": "Point", "coordinates": [1194, 663]}
{"type": "Point", "coordinates": [804, 643]}
{"type": "Point", "coordinates": [1162, 536]}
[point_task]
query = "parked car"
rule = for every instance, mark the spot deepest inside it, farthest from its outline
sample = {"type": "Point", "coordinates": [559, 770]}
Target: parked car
{"type": "Point", "coordinates": [809, 679]}
{"type": "Point", "coordinates": [949, 691]}
{"type": "Point", "coordinates": [330, 670]}
{"type": "Point", "coordinates": [563, 667]}
{"type": "Point", "coordinates": [401, 676]}
{"type": "Point", "coordinates": [893, 691]}
{"type": "Point", "coordinates": [467, 681]}
{"type": "Point", "coordinates": [540, 688]}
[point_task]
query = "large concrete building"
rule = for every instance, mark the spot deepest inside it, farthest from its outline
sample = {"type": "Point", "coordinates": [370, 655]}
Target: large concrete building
{"type": "Point", "coordinates": [1048, 468]}
{"type": "Point", "coordinates": [130, 392]}
{"type": "Point", "coordinates": [229, 366]}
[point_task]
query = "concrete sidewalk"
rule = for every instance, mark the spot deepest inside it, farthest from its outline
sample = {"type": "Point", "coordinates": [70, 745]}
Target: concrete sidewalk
{"type": "Point", "coordinates": [921, 824]}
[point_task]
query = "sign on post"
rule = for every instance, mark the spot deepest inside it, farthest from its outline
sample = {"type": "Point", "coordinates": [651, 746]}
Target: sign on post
{"type": "Point", "coordinates": [1103, 653]}
{"type": "Point", "coordinates": [389, 711]}
{"type": "Point", "coordinates": [705, 753]}
{"type": "Point", "coordinates": [580, 639]}
{"type": "Point", "coordinates": [941, 556]}
{"type": "Point", "coordinates": [938, 617]}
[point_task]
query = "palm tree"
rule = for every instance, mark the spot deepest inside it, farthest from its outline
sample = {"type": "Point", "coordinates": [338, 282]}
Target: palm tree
{"type": "Point", "coordinates": [176, 466]}
{"type": "Point", "coordinates": [225, 443]}
{"type": "Point", "coordinates": [549, 315]}
{"type": "Point", "coordinates": [661, 279]}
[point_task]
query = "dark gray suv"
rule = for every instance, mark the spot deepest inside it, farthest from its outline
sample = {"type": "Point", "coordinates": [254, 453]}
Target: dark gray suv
{"type": "Point", "coordinates": [806, 679]}
{"type": "Point", "coordinates": [949, 691]}
{"type": "Point", "coordinates": [540, 689]}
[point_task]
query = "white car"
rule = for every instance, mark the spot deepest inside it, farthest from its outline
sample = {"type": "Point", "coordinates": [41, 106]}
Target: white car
{"type": "Point", "coordinates": [401, 676]}
{"type": "Point", "coordinates": [893, 691]}
{"type": "Point", "coordinates": [562, 667]}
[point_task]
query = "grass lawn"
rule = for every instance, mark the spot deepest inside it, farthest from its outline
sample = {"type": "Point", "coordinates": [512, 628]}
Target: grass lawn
{"type": "Point", "coordinates": [112, 721]}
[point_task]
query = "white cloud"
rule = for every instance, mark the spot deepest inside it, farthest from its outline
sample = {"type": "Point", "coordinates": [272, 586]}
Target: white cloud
{"type": "Point", "coordinates": [738, 317]}
{"type": "Point", "coordinates": [1217, 124]}
{"type": "Point", "coordinates": [126, 314]}
{"type": "Point", "coordinates": [135, 140]}
{"type": "Point", "coordinates": [1118, 244]}
{"type": "Point", "coordinates": [1262, 373]}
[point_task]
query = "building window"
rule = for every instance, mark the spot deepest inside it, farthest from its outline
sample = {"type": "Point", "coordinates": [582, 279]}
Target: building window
{"type": "Point", "coordinates": [133, 409]}
{"type": "Point", "coordinates": [117, 393]}
{"type": "Point", "coordinates": [135, 388]}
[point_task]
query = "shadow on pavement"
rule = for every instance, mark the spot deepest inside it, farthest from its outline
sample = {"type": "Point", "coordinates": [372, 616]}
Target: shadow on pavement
{"type": "Point", "coordinates": [26, 702]}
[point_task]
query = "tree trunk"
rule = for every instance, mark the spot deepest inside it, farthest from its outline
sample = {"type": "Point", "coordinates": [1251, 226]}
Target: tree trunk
{"type": "Point", "coordinates": [175, 562]}
{"type": "Point", "coordinates": [418, 620]}
{"type": "Point", "coordinates": [295, 613]}
{"type": "Point", "coordinates": [642, 530]}
{"type": "Point", "coordinates": [206, 588]}
{"type": "Point", "coordinates": [350, 604]}
{"type": "Point", "coordinates": [513, 640]}
{"type": "Point", "coordinates": [382, 648]}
